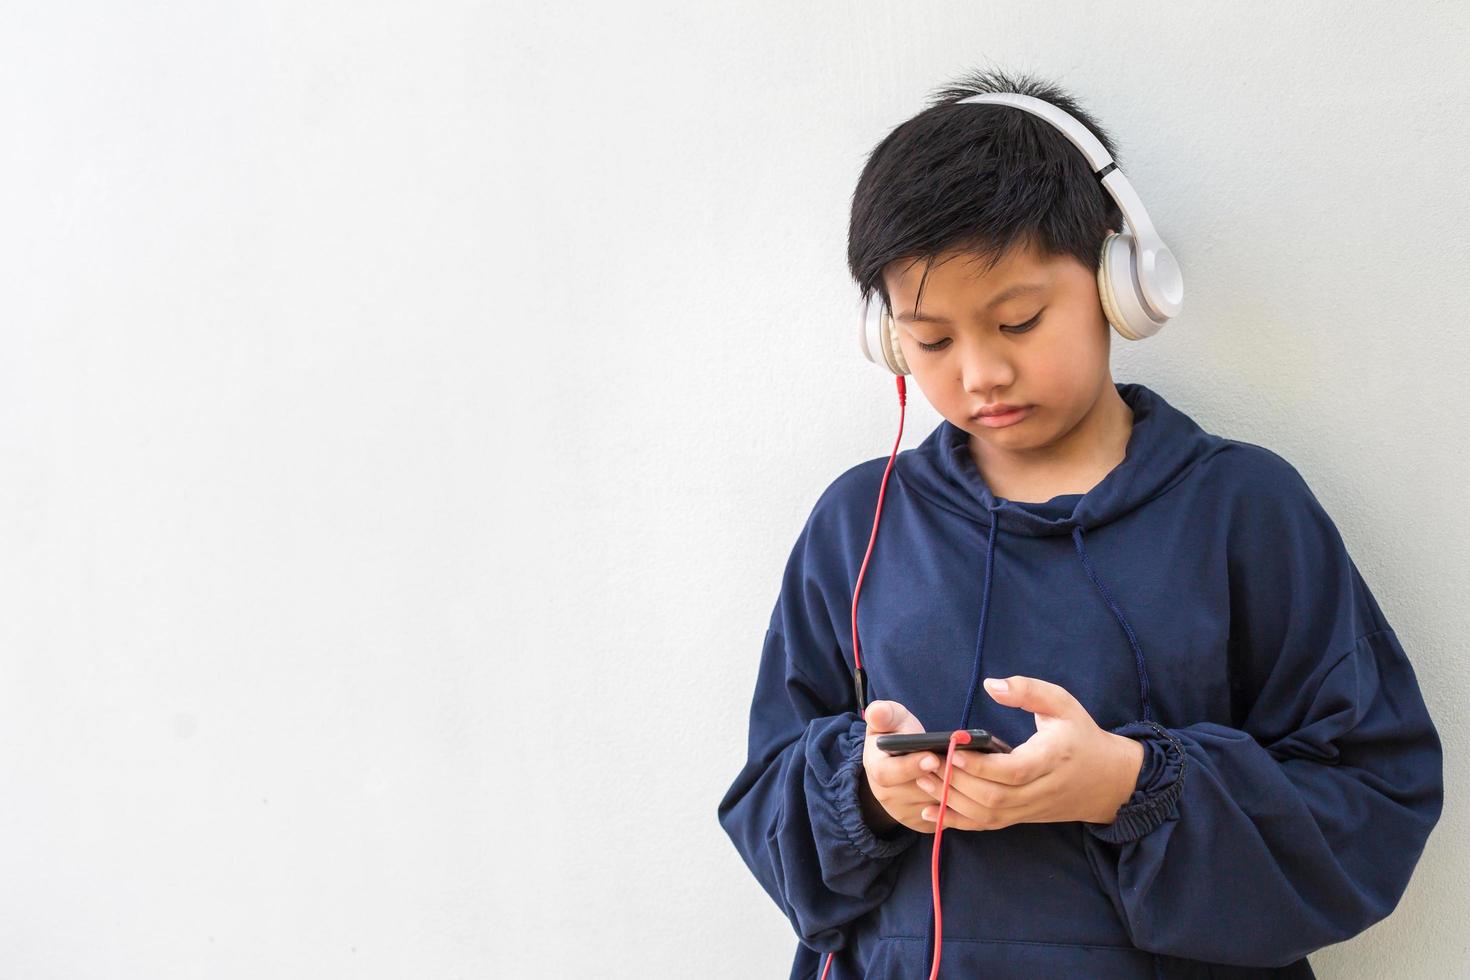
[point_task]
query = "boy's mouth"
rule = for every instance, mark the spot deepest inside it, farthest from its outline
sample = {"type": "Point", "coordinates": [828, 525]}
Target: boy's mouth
{"type": "Point", "coordinates": [1004, 418]}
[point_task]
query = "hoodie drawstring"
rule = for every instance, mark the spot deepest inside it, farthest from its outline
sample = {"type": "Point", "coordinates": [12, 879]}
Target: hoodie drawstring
{"type": "Point", "coordinates": [984, 611]}
{"type": "Point", "coordinates": [975, 671]}
{"type": "Point", "coordinates": [1118, 613]}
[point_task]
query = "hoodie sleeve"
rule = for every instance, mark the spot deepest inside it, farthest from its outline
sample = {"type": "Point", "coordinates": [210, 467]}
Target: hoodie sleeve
{"type": "Point", "coordinates": [1256, 845]}
{"type": "Point", "coordinates": [794, 812]}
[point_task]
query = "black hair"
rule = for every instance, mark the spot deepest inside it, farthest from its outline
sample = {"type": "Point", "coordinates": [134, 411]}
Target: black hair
{"type": "Point", "coordinates": [978, 179]}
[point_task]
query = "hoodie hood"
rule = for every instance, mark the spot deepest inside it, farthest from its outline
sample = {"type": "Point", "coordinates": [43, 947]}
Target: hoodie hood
{"type": "Point", "coordinates": [1164, 446]}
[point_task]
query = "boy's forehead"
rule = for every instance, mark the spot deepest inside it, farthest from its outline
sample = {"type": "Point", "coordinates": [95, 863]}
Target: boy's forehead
{"type": "Point", "coordinates": [965, 272]}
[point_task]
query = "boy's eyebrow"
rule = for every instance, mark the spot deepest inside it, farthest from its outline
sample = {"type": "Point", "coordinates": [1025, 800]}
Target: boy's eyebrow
{"type": "Point", "coordinates": [999, 298]}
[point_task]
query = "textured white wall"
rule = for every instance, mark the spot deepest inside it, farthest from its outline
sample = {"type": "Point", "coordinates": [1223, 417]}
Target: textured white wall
{"type": "Point", "coordinates": [406, 411]}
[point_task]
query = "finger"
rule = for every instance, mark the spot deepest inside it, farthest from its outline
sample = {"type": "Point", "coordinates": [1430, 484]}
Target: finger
{"type": "Point", "coordinates": [971, 795]}
{"type": "Point", "coordinates": [915, 764]}
{"type": "Point", "coordinates": [906, 799]}
{"type": "Point", "coordinates": [895, 770]}
{"type": "Point", "coordinates": [971, 815]}
{"type": "Point", "coordinates": [907, 795]}
{"type": "Point", "coordinates": [1028, 762]}
{"type": "Point", "coordinates": [953, 819]}
{"type": "Point", "coordinates": [972, 798]}
{"type": "Point", "coordinates": [884, 717]}
{"type": "Point", "coordinates": [1034, 695]}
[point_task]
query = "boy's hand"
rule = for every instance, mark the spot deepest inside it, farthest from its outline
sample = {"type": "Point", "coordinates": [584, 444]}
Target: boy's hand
{"type": "Point", "coordinates": [889, 792]}
{"type": "Point", "coordinates": [1069, 770]}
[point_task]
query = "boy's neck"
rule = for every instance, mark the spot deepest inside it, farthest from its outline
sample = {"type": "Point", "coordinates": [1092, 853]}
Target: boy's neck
{"type": "Point", "coordinates": [1075, 463]}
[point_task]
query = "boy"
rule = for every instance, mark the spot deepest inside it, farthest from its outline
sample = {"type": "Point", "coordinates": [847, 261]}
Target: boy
{"type": "Point", "coordinates": [1222, 760]}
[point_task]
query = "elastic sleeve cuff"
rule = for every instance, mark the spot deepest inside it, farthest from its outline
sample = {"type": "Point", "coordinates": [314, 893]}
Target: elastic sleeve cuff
{"type": "Point", "coordinates": [1160, 782]}
{"type": "Point", "coordinates": [849, 804]}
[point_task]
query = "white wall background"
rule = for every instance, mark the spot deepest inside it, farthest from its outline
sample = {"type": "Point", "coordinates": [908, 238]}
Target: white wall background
{"type": "Point", "coordinates": [406, 411]}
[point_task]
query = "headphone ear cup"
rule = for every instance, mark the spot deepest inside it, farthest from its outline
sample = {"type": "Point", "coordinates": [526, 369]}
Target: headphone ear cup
{"type": "Point", "coordinates": [891, 336]}
{"type": "Point", "coordinates": [1105, 290]}
{"type": "Point", "coordinates": [1117, 287]}
{"type": "Point", "coordinates": [877, 337]}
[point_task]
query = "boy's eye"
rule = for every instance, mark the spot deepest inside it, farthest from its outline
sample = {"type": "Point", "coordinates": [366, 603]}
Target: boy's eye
{"type": "Point", "coordinates": [1014, 328]}
{"type": "Point", "coordinates": [1023, 327]}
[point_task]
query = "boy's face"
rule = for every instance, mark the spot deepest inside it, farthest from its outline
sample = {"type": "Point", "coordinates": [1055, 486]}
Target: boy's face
{"type": "Point", "coordinates": [1056, 369]}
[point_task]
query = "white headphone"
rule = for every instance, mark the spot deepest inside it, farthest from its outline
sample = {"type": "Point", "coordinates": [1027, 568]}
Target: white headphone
{"type": "Point", "coordinates": [1138, 279]}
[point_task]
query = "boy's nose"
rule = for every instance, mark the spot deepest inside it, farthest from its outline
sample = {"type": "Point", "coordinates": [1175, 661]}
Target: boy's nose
{"type": "Point", "coordinates": [984, 374]}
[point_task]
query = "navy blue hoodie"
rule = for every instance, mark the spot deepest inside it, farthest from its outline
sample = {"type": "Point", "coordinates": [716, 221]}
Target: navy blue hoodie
{"type": "Point", "coordinates": [1198, 599]}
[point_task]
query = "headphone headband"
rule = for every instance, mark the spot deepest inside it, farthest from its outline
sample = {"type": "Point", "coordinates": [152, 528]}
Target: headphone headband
{"type": "Point", "coordinates": [1141, 284]}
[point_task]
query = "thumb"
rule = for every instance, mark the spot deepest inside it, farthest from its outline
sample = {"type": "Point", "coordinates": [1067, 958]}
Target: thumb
{"type": "Point", "coordinates": [1034, 695]}
{"type": "Point", "coordinates": [890, 716]}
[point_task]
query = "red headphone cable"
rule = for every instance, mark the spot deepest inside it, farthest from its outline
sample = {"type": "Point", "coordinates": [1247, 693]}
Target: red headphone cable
{"type": "Point", "coordinates": [958, 737]}
{"type": "Point", "coordinates": [860, 677]}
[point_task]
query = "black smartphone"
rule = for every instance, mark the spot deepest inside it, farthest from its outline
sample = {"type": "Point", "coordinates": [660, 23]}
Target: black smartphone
{"type": "Point", "coordinates": [938, 742]}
